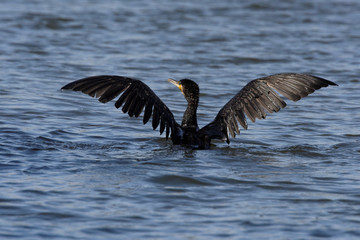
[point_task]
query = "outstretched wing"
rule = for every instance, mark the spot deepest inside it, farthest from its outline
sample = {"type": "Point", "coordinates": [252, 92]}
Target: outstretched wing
{"type": "Point", "coordinates": [136, 96]}
{"type": "Point", "coordinates": [259, 97]}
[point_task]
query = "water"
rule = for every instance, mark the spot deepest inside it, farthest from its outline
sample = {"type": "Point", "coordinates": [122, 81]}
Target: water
{"type": "Point", "coordinates": [73, 168]}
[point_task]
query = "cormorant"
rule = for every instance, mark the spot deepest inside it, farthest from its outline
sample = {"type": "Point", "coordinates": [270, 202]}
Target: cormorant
{"type": "Point", "coordinates": [257, 98]}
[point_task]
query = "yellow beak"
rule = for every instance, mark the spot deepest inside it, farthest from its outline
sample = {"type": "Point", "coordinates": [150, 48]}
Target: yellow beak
{"type": "Point", "coordinates": [176, 83]}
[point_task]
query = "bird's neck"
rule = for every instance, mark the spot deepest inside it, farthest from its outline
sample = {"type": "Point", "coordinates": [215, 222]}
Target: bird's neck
{"type": "Point", "coordinates": [190, 119]}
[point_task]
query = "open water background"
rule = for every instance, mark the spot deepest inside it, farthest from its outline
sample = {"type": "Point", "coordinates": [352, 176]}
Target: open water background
{"type": "Point", "coordinates": [73, 168]}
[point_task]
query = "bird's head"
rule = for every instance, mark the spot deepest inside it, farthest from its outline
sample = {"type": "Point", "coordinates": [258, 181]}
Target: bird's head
{"type": "Point", "coordinates": [188, 87]}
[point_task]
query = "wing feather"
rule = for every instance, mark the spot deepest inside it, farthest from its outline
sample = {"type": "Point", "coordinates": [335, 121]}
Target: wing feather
{"type": "Point", "coordinates": [156, 117]}
{"type": "Point", "coordinates": [259, 97]}
{"type": "Point", "coordinates": [148, 112]}
{"type": "Point", "coordinates": [128, 101]}
{"type": "Point", "coordinates": [139, 107]}
{"type": "Point", "coordinates": [135, 96]}
{"type": "Point", "coordinates": [123, 97]}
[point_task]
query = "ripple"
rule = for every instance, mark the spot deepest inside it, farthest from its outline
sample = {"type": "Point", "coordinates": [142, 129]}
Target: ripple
{"type": "Point", "coordinates": [175, 180]}
{"type": "Point", "coordinates": [303, 150]}
{"type": "Point", "coordinates": [51, 216]}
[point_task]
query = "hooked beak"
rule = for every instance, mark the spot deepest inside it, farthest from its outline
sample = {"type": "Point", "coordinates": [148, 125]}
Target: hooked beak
{"type": "Point", "coordinates": [176, 83]}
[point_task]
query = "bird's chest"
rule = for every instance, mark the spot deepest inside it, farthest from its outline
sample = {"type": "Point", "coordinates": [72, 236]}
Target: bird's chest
{"type": "Point", "coordinates": [192, 137]}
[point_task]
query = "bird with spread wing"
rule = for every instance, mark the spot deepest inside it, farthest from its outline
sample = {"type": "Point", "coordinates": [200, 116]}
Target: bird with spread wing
{"type": "Point", "coordinates": [255, 100]}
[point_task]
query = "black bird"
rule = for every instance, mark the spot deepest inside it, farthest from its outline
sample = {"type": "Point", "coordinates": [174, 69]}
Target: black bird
{"type": "Point", "coordinates": [254, 100]}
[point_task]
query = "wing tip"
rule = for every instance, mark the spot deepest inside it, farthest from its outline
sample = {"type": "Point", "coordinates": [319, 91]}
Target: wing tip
{"type": "Point", "coordinates": [66, 87]}
{"type": "Point", "coordinates": [325, 81]}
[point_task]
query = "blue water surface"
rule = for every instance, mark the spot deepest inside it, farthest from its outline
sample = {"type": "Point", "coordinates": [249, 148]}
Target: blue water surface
{"type": "Point", "coordinates": [73, 168]}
